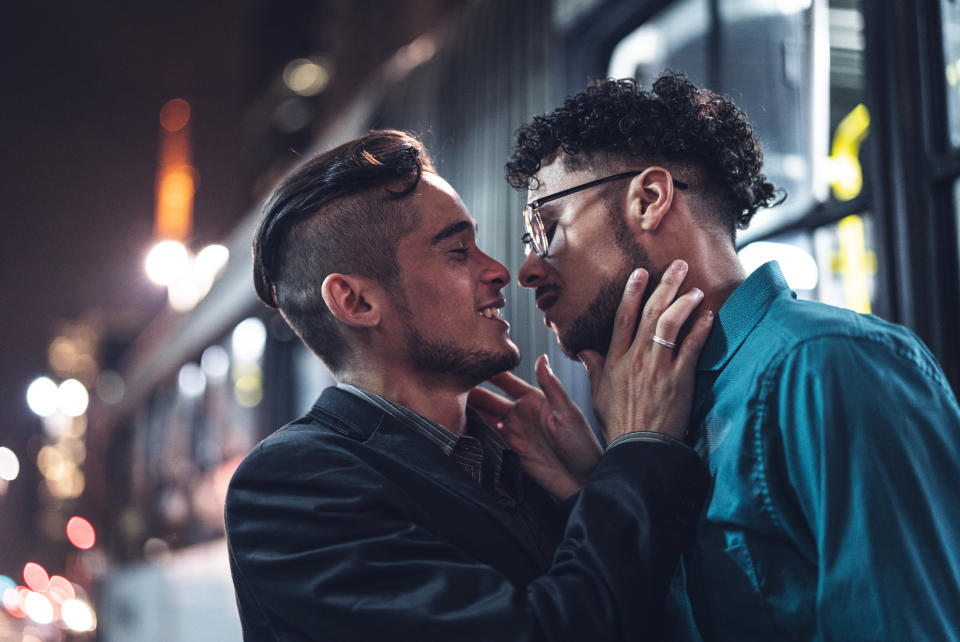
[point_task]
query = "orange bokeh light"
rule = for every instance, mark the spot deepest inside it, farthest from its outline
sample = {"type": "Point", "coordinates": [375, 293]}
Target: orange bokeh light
{"type": "Point", "coordinates": [175, 114]}
{"type": "Point", "coordinates": [61, 590]}
{"type": "Point", "coordinates": [36, 577]}
{"type": "Point", "coordinates": [80, 533]}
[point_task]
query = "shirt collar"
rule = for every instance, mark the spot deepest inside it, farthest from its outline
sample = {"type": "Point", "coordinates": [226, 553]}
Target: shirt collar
{"type": "Point", "coordinates": [741, 313]}
{"type": "Point", "coordinates": [446, 439]}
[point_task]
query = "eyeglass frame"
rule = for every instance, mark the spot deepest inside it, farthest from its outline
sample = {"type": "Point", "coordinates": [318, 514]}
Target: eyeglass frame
{"type": "Point", "coordinates": [536, 233]}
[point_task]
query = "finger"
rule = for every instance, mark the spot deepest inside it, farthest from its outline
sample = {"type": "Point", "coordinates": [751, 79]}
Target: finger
{"type": "Point", "coordinates": [552, 387]}
{"type": "Point", "coordinates": [661, 298]}
{"type": "Point", "coordinates": [673, 318]}
{"type": "Point", "coordinates": [626, 320]}
{"type": "Point", "coordinates": [593, 363]}
{"type": "Point", "coordinates": [490, 403]}
{"type": "Point", "coordinates": [511, 384]}
{"type": "Point", "coordinates": [693, 343]}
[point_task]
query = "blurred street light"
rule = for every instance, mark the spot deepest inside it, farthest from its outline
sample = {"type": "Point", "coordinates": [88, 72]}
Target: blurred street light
{"type": "Point", "coordinates": [42, 396]}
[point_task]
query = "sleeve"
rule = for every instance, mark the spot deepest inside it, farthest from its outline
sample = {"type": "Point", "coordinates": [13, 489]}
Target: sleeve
{"type": "Point", "coordinates": [321, 549]}
{"type": "Point", "coordinates": [871, 449]}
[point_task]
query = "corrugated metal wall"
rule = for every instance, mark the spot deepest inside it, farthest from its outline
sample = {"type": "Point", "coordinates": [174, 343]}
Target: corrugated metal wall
{"type": "Point", "coordinates": [502, 64]}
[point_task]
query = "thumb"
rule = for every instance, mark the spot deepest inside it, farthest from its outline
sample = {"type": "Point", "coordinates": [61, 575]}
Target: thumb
{"type": "Point", "coordinates": [552, 387]}
{"type": "Point", "coordinates": [593, 362]}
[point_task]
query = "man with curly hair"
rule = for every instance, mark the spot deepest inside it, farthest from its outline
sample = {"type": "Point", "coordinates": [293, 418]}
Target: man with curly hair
{"type": "Point", "coordinates": [832, 438]}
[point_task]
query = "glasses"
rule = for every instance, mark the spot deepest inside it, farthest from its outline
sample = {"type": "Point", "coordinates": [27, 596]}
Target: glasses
{"type": "Point", "coordinates": [536, 237]}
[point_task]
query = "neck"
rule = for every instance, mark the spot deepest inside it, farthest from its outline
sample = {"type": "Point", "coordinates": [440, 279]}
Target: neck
{"type": "Point", "coordinates": [435, 397]}
{"type": "Point", "coordinates": [715, 269]}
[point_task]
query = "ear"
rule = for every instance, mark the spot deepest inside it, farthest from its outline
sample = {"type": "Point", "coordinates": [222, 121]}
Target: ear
{"type": "Point", "coordinates": [353, 300]}
{"type": "Point", "coordinates": [649, 198]}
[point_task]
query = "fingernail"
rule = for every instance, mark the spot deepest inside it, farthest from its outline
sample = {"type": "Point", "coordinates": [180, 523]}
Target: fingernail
{"type": "Point", "coordinates": [546, 362]}
{"type": "Point", "coordinates": [709, 315]}
{"type": "Point", "coordinates": [678, 266]}
{"type": "Point", "coordinates": [635, 275]}
{"type": "Point", "coordinates": [697, 292]}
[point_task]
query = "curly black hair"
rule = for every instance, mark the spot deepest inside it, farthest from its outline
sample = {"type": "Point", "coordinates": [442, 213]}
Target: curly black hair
{"type": "Point", "coordinates": [676, 122]}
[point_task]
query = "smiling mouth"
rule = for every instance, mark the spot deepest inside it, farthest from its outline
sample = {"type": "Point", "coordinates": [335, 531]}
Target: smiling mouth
{"type": "Point", "coordinates": [491, 312]}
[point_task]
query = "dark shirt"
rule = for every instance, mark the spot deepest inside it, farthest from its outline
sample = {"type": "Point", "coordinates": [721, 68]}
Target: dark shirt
{"type": "Point", "coordinates": [484, 455]}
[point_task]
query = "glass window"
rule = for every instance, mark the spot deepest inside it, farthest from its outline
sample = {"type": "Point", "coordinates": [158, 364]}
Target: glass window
{"type": "Point", "coordinates": [950, 18]}
{"type": "Point", "coordinates": [674, 39]}
{"type": "Point", "coordinates": [794, 66]}
{"type": "Point", "coordinates": [834, 263]}
{"type": "Point", "coordinates": [956, 210]}
{"type": "Point", "coordinates": [772, 66]}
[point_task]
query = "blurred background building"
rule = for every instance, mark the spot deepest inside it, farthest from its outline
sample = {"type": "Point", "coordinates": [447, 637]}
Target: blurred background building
{"type": "Point", "coordinates": [139, 142]}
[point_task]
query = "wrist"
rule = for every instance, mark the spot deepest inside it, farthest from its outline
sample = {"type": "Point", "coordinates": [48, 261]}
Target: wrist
{"type": "Point", "coordinates": [646, 435]}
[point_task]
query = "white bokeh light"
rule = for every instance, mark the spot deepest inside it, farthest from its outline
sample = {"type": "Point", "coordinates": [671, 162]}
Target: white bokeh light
{"type": "Point", "coordinates": [78, 616]}
{"type": "Point", "coordinates": [166, 262]}
{"type": "Point", "coordinates": [191, 380]}
{"type": "Point", "coordinates": [799, 268]}
{"type": "Point", "coordinates": [211, 260]}
{"type": "Point", "coordinates": [215, 363]}
{"type": "Point", "coordinates": [187, 291]}
{"type": "Point", "coordinates": [9, 464]}
{"type": "Point", "coordinates": [42, 396]}
{"type": "Point", "coordinates": [248, 340]}
{"type": "Point", "coordinates": [38, 608]}
{"type": "Point", "coordinates": [306, 77]}
{"type": "Point", "coordinates": [72, 398]}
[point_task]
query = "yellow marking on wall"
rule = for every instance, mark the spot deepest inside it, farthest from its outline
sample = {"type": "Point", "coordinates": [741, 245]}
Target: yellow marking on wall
{"type": "Point", "coordinates": [846, 174]}
{"type": "Point", "coordinates": [856, 263]}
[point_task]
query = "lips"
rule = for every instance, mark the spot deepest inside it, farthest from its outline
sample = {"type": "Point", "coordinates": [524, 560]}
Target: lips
{"type": "Point", "coordinates": [547, 295]}
{"type": "Point", "coordinates": [491, 309]}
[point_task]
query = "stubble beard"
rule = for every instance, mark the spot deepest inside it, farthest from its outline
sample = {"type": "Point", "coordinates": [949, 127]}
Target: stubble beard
{"type": "Point", "coordinates": [593, 329]}
{"type": "Point", "coordinates": [446, 357]}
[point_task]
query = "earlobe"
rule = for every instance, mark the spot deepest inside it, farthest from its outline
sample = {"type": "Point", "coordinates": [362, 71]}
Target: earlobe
{"type": "Point", "coordinates": [650, 196]}
{"type": "Point", "coordinates": [349, 299]}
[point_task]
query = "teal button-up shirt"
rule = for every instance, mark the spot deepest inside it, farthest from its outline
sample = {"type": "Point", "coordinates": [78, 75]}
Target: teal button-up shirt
{"type": "Point", "coordinates": [833, 444]}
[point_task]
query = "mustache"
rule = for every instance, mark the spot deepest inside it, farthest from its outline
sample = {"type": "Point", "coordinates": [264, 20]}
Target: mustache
{"type": "Point", "coordinates": [543, 289]}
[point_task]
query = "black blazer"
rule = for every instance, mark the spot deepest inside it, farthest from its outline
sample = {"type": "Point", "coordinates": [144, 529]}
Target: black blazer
{"type": "Point", "coordinates": [347, 525]}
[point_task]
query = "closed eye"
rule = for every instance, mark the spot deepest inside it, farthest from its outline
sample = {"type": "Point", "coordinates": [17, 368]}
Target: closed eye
{"type": "Point", "coordinates": [551, 229]}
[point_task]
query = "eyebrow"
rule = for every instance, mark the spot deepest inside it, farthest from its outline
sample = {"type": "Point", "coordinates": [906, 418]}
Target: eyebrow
{"type": "Point", "coordinates": [452, 230]}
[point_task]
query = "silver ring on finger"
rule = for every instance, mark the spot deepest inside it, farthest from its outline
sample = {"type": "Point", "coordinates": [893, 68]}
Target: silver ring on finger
{"type": "Point", "coordinates": [664, 342]}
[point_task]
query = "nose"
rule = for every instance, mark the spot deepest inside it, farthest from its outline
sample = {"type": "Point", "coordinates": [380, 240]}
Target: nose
{"type": "Point", "coordinates": [494, 272]}
{"type": "Point", "coordinates": [532, 272]}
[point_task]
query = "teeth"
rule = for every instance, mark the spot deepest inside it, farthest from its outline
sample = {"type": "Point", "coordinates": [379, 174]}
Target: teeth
{"type": "Point", "coordinates": [490, 313]}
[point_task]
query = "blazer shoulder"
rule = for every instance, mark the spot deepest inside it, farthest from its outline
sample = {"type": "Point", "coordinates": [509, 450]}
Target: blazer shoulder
{"type": "Point", "coordinates": [307, 442]}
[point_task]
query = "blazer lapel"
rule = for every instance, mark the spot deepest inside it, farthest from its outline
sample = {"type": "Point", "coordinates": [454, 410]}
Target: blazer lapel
{"type": "Point", "coordinates": [400, 444]}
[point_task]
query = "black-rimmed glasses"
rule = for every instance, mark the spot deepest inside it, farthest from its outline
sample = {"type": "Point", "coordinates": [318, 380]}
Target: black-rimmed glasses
{"type": "Point", "coordinates": [536, 236]}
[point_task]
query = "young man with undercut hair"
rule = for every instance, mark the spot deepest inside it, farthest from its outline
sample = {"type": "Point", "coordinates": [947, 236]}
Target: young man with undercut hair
{"type": "Point", "coordinates": [832, 438]}
{"type": "Point", "coordinates": [389, 512]}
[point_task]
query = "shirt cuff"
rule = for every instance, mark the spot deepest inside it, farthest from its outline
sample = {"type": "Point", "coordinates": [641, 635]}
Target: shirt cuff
{"type": "Point", "coordinates": [647, 435]}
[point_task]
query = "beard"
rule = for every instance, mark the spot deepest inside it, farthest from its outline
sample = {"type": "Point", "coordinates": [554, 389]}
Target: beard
{"type": "Point", "coordinates": [593, 329]}
{"type": "Point", "coordinates": [446, 357]}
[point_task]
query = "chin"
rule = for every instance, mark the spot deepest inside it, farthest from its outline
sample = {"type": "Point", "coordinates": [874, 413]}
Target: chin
{"type": "Point", "coordinates": [471, 364]}
{"type": "Point", "coordinates": [590, 331]}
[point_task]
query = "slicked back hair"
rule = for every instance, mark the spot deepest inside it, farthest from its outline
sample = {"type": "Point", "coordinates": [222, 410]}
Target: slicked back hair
{"type": "Point", "coordinates": [338, 213]}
